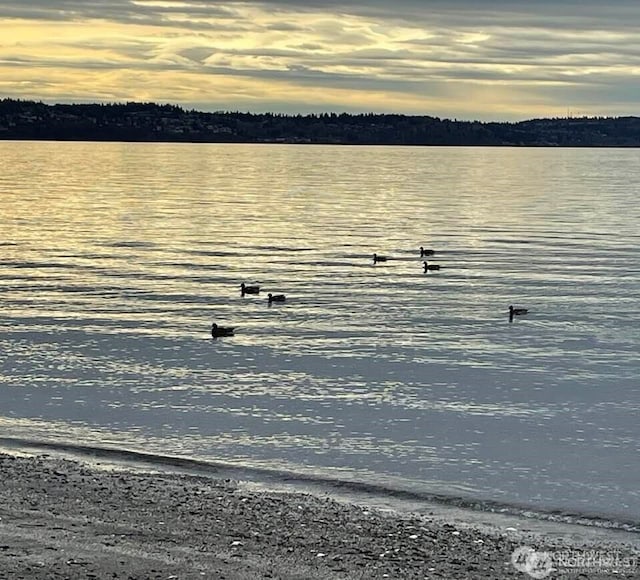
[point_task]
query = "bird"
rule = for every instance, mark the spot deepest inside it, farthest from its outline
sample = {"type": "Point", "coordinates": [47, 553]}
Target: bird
{"type": "Point", "coordinates": [244, 289]}
{"type": "Point", "coordinates": [517, 311]}
{"type": "Point", "coordinates": [217, 331]}
{"type": "Point", "coordinates": [428, 266]}
{"type": "Point", "coordinates": [377, 258]}
{"type": "Point", "coordinates": [424, 252]}
{"type": "Point", "coordinates": [276, 297]}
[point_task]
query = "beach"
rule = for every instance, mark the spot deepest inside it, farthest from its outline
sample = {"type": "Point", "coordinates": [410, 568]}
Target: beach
{"type": "Point", "coordinates": [62, 518]}
{"type": "Point", "coordinates": [372, 384]}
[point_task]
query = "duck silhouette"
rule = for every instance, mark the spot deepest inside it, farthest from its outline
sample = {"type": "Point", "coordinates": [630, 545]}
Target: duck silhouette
{"type": "Point", "coordinates": [428, 266]}
{"type": "Point", "coordinates": [217, 331]}
{"type": "Point", "coordinates": [244, 289]}
{"type": "Point", "coordinates": [276, 297]}
{"type": "Point", "coordinates": [424, 252]}
{"type": "Point", "coordinates": [517, 311]}
{"type": "Point", "coordinates": [377, 258]}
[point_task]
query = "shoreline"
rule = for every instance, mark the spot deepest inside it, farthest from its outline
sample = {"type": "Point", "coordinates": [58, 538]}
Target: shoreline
{"type": "Point", "coordinates": [62, 518]}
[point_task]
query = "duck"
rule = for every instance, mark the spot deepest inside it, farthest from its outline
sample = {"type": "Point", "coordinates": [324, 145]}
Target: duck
{"type": "Point", "coordinates": [244, 289]}
{"type": "Point", "coordinates": [517, 311]}
{"type": "Point", "coordinates": [428, 266]}
{"type": "Point", "coordinates": [377, 258]}
{"type": "Point", "coordinates": [276, 297]}
{"type": "Point", "coordinates": [217, 331]}
{"type": "Point", "coordinates": [424, 252]}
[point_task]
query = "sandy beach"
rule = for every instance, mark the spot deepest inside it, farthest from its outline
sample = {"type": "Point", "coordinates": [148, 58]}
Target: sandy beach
{"type": "Point", "coordinates": [60, 518]}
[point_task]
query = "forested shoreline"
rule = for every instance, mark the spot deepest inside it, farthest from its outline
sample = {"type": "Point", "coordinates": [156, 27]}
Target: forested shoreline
{"type": "Point", "coordinates": [151, 122]}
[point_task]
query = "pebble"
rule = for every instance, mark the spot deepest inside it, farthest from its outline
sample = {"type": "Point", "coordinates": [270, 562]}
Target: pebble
{"type": "Point", "coordinates": [201, 518]}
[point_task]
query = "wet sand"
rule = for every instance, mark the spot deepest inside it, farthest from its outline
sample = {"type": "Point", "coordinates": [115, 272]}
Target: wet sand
{"type": "Point", "coordinates": [64, 519]}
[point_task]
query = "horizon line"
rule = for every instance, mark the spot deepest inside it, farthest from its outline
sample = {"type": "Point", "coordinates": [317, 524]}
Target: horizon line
{"type": "Point", "coordinates": [309, 114]}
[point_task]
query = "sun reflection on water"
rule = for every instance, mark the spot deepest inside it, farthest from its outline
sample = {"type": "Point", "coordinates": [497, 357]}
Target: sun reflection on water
{"type": "Point", "coordinates": [116, 258]}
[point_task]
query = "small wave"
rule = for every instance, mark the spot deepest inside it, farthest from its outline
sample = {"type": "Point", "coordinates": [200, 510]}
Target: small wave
{"type": "Point", "coordinates": [189, 266]}
{"type": "Point", "coordinates": [508, 241]}
{"type": "Point", "coordinates": [215, 253]}
{"type": "Point", "coordinates": [327, 484]}
{"type": "Point", "coordinates": [282, 249]}
{"type": "Point", "coordinates": [130, 244]}
{"type": "Point", "coordinates": [330, 264]}
{"type": "Point", "coordinates": [34, 265]}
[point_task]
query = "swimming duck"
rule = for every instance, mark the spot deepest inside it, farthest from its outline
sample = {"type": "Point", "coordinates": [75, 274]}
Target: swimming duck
{"type": "Point", "coordinates": [431, 266]}
{"type": "Point", "coordinates": [424, 252]}
{"type": "Point", "coordinates": [276, 297]}
{"type": "Point", "coordinates": [377, 258]}
{"type": "Point", "coordinates": [517, 311]}
{"type": "Point", "coordinates": [221, 330]}
{"type": "Point", "coordinates": [244, 289]}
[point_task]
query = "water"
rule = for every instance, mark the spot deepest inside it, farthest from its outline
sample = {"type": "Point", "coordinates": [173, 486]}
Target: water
{"type": "Point", "coordinates": [116, 258]}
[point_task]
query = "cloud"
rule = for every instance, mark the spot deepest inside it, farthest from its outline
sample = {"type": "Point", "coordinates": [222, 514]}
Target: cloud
{"type": "Point", "coordinates": [587, 14]}
{"type": "Point", "coordinates": [508, 57]}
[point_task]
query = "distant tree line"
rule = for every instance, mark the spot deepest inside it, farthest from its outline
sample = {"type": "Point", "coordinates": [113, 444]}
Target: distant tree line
{"type": "Point", "coordinates": [31, 120]}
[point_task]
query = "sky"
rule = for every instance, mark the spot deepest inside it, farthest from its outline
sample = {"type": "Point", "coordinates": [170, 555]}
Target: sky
{"type": "Point", "coordinates": [501, 60]}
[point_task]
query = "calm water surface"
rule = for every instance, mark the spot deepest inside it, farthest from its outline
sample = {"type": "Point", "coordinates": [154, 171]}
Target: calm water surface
{"type": "Point", "coordinates": [116, 258]}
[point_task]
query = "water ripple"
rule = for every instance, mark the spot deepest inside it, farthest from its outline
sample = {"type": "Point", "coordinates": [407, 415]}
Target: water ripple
{"type": "Point", "coordinates": [112, 272]}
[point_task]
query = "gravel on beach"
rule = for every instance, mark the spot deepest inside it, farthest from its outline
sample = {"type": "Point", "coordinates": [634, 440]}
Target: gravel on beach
{"type": "Point", "coordinates": [62, 519]}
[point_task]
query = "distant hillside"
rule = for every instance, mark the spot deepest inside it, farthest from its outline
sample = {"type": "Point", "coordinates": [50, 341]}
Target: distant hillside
{"type": "Point", "coordinates": [151, 122]}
